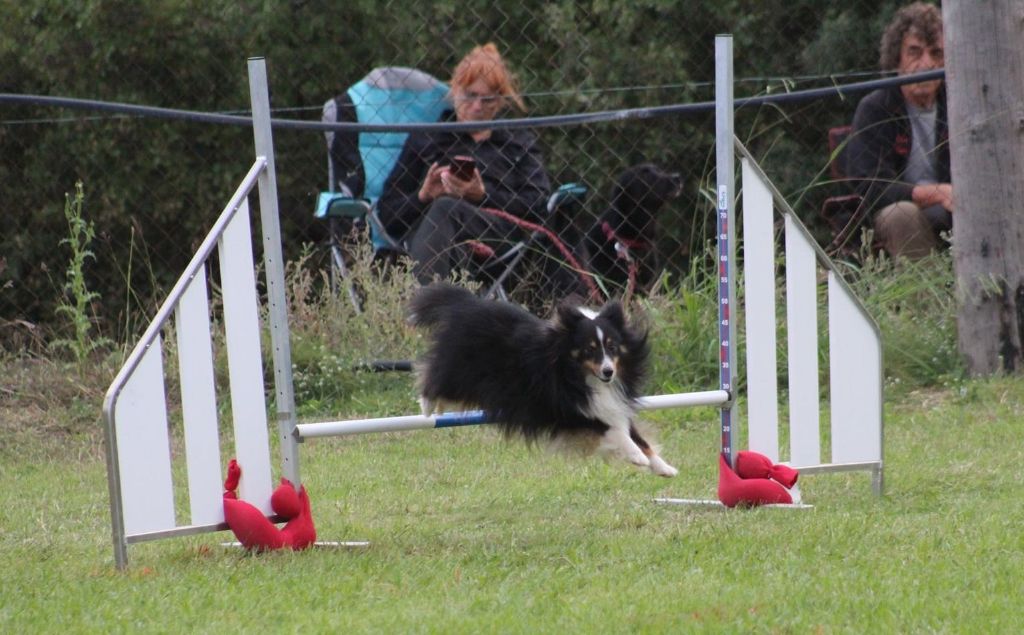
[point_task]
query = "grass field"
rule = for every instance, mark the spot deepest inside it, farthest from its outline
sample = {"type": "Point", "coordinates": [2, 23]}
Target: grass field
{"type": "Point", "coordinates": [470, 534]}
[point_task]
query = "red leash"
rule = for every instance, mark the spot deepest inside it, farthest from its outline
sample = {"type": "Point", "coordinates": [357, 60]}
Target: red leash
{"type": "Point", "coordinates": [622, 247]}
{"type": "Point", "coordinates": [631, 243]}
{"type": "Point", "coordinates": [585, 275]}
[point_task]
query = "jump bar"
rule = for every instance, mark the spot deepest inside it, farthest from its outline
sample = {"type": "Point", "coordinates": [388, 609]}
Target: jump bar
{"type": "Point", "coordinates": [477, 417]}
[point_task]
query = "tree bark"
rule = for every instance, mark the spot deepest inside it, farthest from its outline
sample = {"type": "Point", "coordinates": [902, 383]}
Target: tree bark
{"type": "Point", "coordinates": [985, 76]}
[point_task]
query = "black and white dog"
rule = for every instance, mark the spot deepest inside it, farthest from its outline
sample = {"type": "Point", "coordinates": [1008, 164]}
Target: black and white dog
{"type": "Point", "coordinates": [620, 246]}
{"type": "Point", "coordinates": [574, 378]}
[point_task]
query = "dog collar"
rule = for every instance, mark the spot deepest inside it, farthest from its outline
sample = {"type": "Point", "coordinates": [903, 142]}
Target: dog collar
{"type": "Point", "coordinates": [622, 245]}
{"type": "Point", "coordinates": [631, 243]}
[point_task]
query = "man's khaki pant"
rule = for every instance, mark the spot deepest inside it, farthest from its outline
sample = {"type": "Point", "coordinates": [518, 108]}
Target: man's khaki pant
{"type": "Point", "coordinates": [904, 229]}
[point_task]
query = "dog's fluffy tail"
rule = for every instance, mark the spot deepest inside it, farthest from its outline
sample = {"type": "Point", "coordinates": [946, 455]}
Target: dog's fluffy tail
{"type": "Point", "coordinates": [432, 304]}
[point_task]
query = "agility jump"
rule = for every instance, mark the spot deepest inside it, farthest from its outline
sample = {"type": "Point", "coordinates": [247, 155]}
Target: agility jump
{"type": "Point", "coordinates": [139, 460]}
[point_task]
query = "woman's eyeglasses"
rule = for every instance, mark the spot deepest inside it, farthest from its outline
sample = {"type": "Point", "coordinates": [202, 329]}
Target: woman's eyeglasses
{"type": "Point", "coordinates": [484, 99]}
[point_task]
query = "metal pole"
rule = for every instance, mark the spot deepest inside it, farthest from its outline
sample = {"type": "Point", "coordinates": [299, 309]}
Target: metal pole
{"type": "Point", "coordinates": [114, 487]}
{"type": "Point", "coordinates": [273, 260]}
{"type": "Point", "coordinates": [476, 417]}
{"type": "Point", "coordinates": [725, 171]}
{"type": "Point", "coordinates": [391, 424]}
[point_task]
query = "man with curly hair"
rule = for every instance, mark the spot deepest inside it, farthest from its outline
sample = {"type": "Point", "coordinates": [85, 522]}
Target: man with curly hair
{"type": "Point", "coordinates": [899, 147]}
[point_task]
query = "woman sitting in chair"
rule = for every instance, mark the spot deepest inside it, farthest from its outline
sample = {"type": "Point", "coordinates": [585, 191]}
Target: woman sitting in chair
{"type": "Point", "coordinates": [432, 201]}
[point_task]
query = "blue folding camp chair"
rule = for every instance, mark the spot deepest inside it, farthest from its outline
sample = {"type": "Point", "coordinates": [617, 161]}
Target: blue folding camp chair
{"type": "Point", "coordinates": [359, 165]}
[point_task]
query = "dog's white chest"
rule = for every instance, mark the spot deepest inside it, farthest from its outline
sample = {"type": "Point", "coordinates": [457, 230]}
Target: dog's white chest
{"type": "Point", "coordinates": [608, 403]}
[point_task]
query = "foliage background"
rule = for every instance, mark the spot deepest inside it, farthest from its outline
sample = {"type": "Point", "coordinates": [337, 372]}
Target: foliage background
{"type": "Point", "coordinates": [153, 187]}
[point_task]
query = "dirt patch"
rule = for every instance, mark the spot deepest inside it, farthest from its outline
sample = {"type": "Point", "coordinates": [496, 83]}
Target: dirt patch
{"type": "Point", "coordinates": [48, 409]}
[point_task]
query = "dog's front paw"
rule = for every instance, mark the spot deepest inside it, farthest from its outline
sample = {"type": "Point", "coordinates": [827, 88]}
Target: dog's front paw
{"type": "Point", "coordinates": [427, 407]}
{"type": "Point", "coordinates": [638, 458]}
{"type": "Point", "coordinates": [661, 468]}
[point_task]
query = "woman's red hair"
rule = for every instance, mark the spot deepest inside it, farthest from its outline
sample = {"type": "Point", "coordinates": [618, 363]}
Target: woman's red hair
{"type": "Point", "coordinates": [485, 62]}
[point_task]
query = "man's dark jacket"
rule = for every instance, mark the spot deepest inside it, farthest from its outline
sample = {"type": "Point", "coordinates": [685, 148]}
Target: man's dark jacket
{"type": "Point", "coordinates": [879, 147]}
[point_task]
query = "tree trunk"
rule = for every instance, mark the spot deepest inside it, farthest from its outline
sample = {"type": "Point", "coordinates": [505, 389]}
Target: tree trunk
{"type": "Point", "coordinates": [985, 76]}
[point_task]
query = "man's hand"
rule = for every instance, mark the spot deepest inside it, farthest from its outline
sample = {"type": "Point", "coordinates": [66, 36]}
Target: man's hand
{"type": "Point", "coordinates": [926, 195]}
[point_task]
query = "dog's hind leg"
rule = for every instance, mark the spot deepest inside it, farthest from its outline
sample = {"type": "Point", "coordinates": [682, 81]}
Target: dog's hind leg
{"type": "Point", "coordinates": [656, 464]}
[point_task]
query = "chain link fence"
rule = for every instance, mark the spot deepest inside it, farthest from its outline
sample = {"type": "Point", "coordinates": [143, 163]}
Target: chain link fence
{"type": "Point", "coordinates": [152, 186]}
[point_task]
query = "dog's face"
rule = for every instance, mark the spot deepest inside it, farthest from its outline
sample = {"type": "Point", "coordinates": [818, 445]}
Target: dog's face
{"type": "Point", "coordinates": [595, 339]}
{"type": "Point", "coordinates": [645, 187]}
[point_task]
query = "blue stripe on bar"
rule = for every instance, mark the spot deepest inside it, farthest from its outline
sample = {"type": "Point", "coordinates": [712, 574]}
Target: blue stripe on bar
{"type": "Point", "coordinates": [454, 419]}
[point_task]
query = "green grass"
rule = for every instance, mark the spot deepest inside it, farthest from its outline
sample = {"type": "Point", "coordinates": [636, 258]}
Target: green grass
{"type": "Point", "coordinates": [470, 534]}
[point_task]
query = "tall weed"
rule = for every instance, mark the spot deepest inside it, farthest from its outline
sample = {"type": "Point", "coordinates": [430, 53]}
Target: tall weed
{"type": "Point", "coordinates": [76, 301]}
{"type": "Point", "coordinates": [683, 319]}
{"type": "Point", "coordinates": [332, 339]}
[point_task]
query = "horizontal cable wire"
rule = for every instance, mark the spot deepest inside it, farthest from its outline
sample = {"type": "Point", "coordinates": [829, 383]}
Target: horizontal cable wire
{"type": "Point", "coordinates": [784, 80]}
{"type": "Point", "coordinates": [507, 124]}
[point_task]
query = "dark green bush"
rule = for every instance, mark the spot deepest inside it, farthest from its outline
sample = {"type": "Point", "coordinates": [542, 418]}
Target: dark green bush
{"type": "Point", "coordinates": [154, 186]}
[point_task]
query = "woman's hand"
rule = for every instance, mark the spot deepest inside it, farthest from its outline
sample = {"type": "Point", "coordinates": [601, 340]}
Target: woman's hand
{"type": "Point", "coordinates": [432, 186]}
{"type": "Point", "coordinates": [471, 190]}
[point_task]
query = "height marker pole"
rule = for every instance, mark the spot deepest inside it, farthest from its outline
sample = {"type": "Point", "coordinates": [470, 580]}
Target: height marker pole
{"type": "Point", "coordinates": [726, 190]}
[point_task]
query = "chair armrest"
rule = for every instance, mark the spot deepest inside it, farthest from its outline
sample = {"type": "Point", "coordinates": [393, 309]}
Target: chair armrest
{"type": "Point", "coordinates": [840, 211]}
{"type": "Point", "coordinates": [567, 196]}
{"type": "Point", "coordinates": [836, 205]}
{"type": "Point", "coordinates": [338, 205]}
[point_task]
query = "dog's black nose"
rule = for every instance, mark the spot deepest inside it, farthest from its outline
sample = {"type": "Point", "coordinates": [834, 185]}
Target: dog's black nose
{"type": "Point", "coordinates": [607, 373]}
{"type": "Point", "coordinates": [677, 183]}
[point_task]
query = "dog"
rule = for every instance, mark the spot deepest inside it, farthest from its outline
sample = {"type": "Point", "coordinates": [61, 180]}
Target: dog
{"type": "Point", "coordinates": [571, 380]}
{"type": "Point", "coordinates": [620, 246]}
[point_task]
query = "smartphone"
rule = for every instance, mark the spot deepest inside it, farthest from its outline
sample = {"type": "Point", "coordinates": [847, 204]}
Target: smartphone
{"type": "Point", "coordinates": [462, 167]}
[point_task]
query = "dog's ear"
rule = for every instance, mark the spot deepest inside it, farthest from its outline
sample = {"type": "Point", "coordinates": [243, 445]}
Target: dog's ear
{"type": "Point", "coordinates": [614, 314]}
{"type": "Point", "coordinates": [567, 314]}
